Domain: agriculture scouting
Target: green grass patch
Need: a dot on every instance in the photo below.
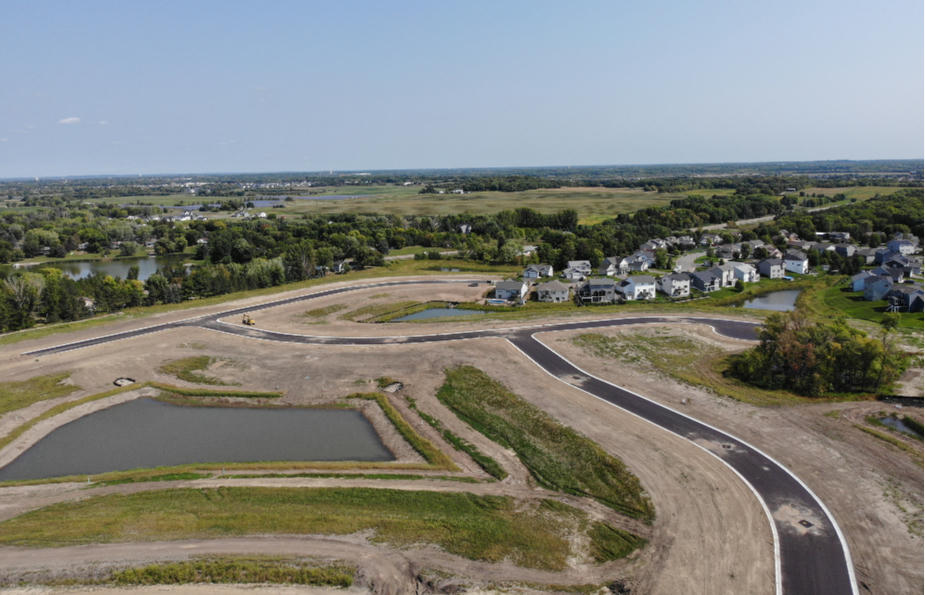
(556, 456)
(234, 569)
(890, 440)
(371, 312)
(16, 395)
(159, 477)
(423, 446)
(376, 476)
(488, 528)
(608, 543)
(204, 392)
(839, 298)
(188, 369)
(325, 311)
(488, 464)
(684, 359)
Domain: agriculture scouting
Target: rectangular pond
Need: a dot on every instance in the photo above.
(149, 433)
(437, 313)
(780, 301)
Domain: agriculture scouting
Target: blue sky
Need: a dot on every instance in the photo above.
(159, 87)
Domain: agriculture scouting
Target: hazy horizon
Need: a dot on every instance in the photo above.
(115, 89)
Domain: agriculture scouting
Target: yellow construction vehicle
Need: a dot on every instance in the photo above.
(248, 320)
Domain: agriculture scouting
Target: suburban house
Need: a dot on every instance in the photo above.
(675, 285)
(707, 281)
(638, 287)
(510, 290)
(910, 266)
(772, 268)
(727, 270)
(904, 247)
(339, 266)
(895, 272)
(573, 274)
(552, 291)
(839, 236)
(846, 250)
(869, 254)
(796, 262)
(639, 261)
(535, 271)
(582, 265)
(598, 291)
(613, 265)
(876, 287)
(710, 239)
(857, 281)
(745, 273)
(906, 298)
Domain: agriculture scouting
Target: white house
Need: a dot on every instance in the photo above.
(581, 265)
(510, 290)
(727, 273)
(553, 291)
(675, 285)
(904, 247)
(574, 275)
(638, 287)
(796, 262)
(613, 265)
(745, 273)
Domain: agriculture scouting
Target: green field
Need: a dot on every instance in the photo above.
(489, 528)
(558, 457)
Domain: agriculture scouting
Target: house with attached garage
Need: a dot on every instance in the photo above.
(904, 247)
(510, 290)
(552, 291)
(638, 287)
(613, 265)
(772, 268)
(640, 261)
(796, 262)
(707, 281)
(580, 265)
(574, 275)
(598, 291)
(535, 271)
(728, 273)
(675, 285)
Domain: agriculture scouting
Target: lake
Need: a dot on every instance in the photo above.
(149, 433)
(781, 301)
(437, 313)
(79, 269)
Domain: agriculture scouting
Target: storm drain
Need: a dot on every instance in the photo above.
(806, 523)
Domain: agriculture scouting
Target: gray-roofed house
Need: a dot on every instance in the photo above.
(638, 287)
(552, 291)
(869, 254)
(744, 272)
(707, 281)
(894, 271)
(904, 247)
(772, 268)
(535, 271)
(876, 287)
(573, 274)
(857, 281)
(675, 285)
(581, 265)
(510, 290)
(598, 291)
(906, 298)
(846, 250)
(613, 265)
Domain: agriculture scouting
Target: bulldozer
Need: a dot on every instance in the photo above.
(248, 320)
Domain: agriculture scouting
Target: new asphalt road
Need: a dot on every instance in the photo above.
(811, 554)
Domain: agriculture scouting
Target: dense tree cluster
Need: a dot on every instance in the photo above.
(815, 358)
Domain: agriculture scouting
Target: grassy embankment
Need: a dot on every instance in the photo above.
(234, 569)
(557, 457)
(491, 528)
(488, 464)
(685, 359)
(189, 368)
(16, 395)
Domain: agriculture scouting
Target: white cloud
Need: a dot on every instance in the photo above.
(103, 122)
(69, 120)
(4, 139)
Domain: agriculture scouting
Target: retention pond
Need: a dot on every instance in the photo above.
(437, 313)
(150, 433)
(781, 301)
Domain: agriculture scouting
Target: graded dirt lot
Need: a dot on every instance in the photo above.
(710, 533)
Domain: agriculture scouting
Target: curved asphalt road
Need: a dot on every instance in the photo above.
(811, 554)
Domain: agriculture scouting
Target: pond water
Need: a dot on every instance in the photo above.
(898, 425)
(781, 301)
(437, 313)
(147, 266)
(149, 433)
